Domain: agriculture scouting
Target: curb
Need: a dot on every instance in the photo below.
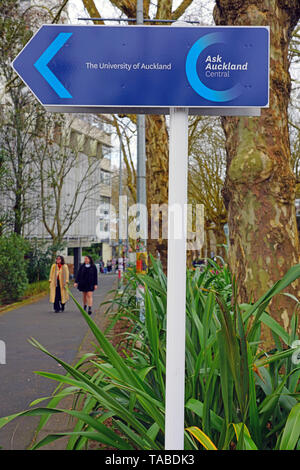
(22, 303)
(60, 423)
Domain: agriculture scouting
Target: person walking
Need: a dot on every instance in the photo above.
(87, 281)
(109, 265)
(59, 280)
(101, 266)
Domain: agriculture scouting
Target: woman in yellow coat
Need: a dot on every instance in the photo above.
(59, 280)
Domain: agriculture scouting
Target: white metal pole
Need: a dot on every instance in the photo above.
(141, 154)
(120, 213)
(176, 300)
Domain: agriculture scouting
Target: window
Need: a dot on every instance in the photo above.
(106, 152)
(104, 205)
(105, 177)
(104, 226)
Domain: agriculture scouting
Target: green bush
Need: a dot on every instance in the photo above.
(39, 259)
(13, 275)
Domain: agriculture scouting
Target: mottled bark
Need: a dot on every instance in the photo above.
(164, 9)
(92, 10)
(157, 151)
(259, 189)
(207, 240)
(220, 240)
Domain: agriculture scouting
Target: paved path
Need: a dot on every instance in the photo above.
(61, 334)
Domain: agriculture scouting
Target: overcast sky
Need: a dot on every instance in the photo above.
(195, 11)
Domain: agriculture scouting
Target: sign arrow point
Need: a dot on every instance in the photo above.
(42, 65)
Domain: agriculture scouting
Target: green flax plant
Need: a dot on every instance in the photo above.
(237, 396)
(260, 392)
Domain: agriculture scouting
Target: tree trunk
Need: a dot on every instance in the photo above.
(157, 151)
(18, 172)
(207, 239)
(18, 214)
(220, 240)
(259, 190)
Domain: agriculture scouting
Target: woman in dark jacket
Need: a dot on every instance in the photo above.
(87, 281)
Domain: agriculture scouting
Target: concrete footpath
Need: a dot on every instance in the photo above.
(64, 334)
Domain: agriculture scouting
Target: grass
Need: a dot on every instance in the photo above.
(33, 292)
(39, 287)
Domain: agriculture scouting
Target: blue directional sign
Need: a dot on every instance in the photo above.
(85, 67)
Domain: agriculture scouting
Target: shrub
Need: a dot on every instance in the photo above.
(13, 276)
(237, 396)
(40, 256)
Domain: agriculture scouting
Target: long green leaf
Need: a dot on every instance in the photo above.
(259, 307)
(202, 438)
(253, 410)
(93, 436)
(89, 386)
(34, 412)
(104, 434)
(242, 434)
(197, 407)
(291, 431)
(226, 379)
(275, 326)
(115, 359)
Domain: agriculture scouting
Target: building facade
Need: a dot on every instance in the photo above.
(85, 193)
